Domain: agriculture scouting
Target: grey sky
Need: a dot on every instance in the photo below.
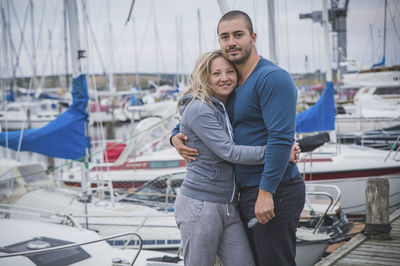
(158, 53)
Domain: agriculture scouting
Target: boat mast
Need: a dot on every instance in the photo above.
(199, 31)
(111, 86)
(66, 46)
(325, 23)
(78, 58)
(223, 6)
(384, 36)
(34, 85)
(271, 30)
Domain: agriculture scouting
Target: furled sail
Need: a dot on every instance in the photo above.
(63, 137)
(320, 116)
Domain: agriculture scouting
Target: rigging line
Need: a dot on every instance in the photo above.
(130, 12)
(101, 128)
(41, 82)
(22, 41)
(96, 46)
(312, 42)
(160, 50)
(397, 4)
(394, 24)
(145, 33)
(38, 44)
(255, 19)
(121, 40)
(23, 123)
(287, 37)
(377, 10)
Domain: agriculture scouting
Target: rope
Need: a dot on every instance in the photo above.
(376, 229)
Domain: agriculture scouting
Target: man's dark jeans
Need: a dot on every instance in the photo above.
(274, 243)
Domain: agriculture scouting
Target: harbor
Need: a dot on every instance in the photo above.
(87, 111)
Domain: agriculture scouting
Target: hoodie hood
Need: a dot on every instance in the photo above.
(187, 99)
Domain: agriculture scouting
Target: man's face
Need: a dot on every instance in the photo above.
(235, 40)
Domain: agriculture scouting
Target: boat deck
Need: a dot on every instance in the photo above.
(363, 251)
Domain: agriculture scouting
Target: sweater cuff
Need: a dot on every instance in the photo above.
(269, 185)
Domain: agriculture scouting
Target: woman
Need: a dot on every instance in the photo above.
(204, 209)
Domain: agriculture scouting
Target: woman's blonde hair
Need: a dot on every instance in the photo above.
(199, 79)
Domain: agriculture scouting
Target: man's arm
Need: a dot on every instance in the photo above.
(278, 105)
(178, 141)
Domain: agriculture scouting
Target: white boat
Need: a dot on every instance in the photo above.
(159, 109)
(376, 104)
(45, 243)
(108, 109)
(28, 186)
(146, 212)
(23, 115)
(349, 167)
(147, 155)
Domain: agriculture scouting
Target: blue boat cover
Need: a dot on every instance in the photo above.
(320, 116)
(381, 63)
(64, 137)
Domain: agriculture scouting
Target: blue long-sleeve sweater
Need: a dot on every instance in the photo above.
(263, 112)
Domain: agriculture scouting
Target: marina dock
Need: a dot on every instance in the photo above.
(363, 251)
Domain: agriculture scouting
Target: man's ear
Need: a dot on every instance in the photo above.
(253, 38)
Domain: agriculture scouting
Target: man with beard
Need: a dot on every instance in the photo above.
(262, 110)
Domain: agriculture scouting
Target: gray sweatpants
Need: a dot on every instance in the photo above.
(209, 229)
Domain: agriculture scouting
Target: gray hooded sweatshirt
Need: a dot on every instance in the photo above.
(211, 177)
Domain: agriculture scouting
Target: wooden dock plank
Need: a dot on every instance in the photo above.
(392, 254)
(361, 251)
(365, 259)
(358, 262)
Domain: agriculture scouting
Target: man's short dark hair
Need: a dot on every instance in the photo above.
(235, 14)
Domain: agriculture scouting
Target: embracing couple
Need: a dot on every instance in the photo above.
(242, 195)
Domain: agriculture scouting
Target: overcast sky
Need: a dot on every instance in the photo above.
(165, 34)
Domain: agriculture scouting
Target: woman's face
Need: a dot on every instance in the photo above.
(223, 78)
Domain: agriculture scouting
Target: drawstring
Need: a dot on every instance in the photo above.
(227, 210)
(230, 131)
(228, 122)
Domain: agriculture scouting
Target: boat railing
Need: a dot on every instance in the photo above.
(321, 219)
(335, 188)
(393, 147)
(81, 221)
(38, 213)
(48, 250)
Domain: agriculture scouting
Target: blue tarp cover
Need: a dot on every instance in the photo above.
(63, 137)
(320, 116)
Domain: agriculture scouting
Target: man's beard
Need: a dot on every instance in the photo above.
(242, 58)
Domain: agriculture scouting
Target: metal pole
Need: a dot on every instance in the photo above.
(328, 57)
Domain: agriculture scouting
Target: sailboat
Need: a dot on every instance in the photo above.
(346, 166)
(377, 101)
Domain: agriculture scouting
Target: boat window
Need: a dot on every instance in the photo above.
(163, 164)
(8, 185)
(33, 173)
(60, 258)
(43, 107)
(387, 90)
(158, 190)
(13, 109)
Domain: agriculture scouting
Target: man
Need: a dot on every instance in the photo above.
(262, 110)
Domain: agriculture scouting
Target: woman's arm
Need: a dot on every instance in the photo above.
(201, 119)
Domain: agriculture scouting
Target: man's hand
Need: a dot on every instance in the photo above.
(264, 208)
(295, 153)
(179, 143)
